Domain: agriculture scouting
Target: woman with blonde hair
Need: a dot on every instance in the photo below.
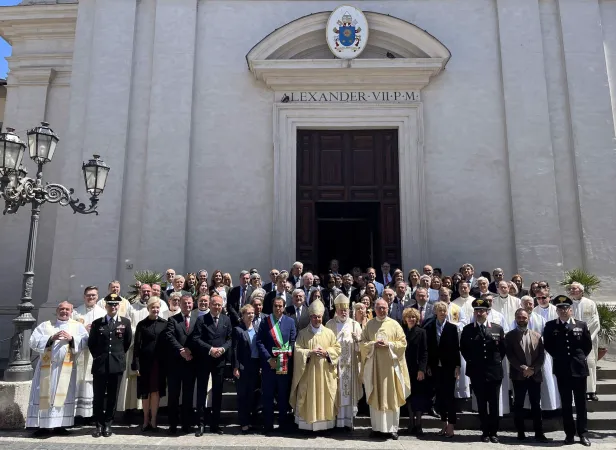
(360, 314)
(149, 362)
(227, 280)
(416, 355)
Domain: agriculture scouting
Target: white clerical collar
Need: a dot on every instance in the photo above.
(503, 296)
(203, 312)
(316, 330)
(381, 320)
(61, 322)
(89, 308)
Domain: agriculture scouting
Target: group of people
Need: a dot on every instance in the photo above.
(318, 351)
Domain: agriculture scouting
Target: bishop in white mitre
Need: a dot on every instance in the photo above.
(465, 302)
(585, 309)
(348, 333)
(52, 397)
(85, 314)
(550, 397)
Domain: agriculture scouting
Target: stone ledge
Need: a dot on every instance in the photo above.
(14, 399)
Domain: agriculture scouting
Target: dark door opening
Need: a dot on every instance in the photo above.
(348, 232)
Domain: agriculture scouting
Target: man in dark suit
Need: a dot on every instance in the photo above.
(110, 339)
(498, 276)
(298, 311)
(269, 287)
(275, 341)
(181, 372)
(443, 364)
(384, 277)
(482, 345)
(568, 341)
(280, 291)
(209, 343)
(238, 298)
(526, 355)
(347, 286)
(307, 286)
(296, 274)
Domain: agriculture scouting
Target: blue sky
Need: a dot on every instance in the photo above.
(5, 49)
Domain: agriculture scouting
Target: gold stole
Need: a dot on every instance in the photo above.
(66, 369)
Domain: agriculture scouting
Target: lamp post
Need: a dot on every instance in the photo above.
(17, 190)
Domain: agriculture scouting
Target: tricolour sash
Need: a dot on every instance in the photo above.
(66, 369)
(282, 352)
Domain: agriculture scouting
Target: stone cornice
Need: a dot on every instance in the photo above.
(38, 21)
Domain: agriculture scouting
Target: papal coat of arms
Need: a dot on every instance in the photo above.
(347, 32)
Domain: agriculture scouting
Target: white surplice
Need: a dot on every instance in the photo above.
(463, 382)
(503, 401)
(586, 311)
(55, 416)
(507, 306)
(550, 397)
(85, 390)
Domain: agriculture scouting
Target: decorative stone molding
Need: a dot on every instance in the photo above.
(278, 59)
(407, 118)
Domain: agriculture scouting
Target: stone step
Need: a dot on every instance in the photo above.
(606, 387)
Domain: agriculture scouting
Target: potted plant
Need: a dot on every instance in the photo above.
(607, 321)
(143, 277)
(590, 281)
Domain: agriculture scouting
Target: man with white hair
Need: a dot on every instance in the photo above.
(585, 309)
(504, 303)
(307, 287)
(296, 274)
(348, 333)
(315, 379)
(52, 396)
(468, 272)
(85, 314)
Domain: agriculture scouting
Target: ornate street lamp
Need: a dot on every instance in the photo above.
(17, 190)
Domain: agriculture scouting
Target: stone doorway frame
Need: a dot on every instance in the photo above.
(407, 118)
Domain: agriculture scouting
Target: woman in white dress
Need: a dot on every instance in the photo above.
(218, 287)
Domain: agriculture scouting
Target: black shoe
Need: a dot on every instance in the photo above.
(485, 438)
(268, 431)
(593, 397)
(97, 432)
(375, 434)
(146, 428)
(217, 430)
(521, 436)
(41, 432)
(155, 429)
(394, 436)
(542, 438)
(61, 431)
(584, 441)
(107, 431)
(420, 432)
(494, 439)
(569, 440)
(412, 431)
(200, 431)
(172, 431)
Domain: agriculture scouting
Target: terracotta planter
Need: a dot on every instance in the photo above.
(601, 353)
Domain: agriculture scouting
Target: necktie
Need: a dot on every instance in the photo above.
(421, 315)
(243, 297)
(187, 322)
(216, 322)
(298, 311)
(527, 347)
(482, 329)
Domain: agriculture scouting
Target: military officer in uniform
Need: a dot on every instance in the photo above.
(482, 345)
(569, 342)
(109, 340)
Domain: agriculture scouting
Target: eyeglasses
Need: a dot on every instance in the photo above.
(541, 298)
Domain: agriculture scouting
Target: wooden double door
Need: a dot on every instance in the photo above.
(348, 202)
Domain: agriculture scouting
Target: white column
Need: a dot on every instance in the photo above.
(163, 231)
(529, 145)
(592, 127)
(86, 247)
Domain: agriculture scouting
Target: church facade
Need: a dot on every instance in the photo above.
(474, 131)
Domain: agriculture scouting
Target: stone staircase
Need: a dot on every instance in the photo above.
(600, 414)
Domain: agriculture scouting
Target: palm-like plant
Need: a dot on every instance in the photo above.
(143, 277)
(607, 321)
(590, 281)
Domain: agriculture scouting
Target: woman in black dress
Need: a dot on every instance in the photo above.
(416, 356)
(148, 357)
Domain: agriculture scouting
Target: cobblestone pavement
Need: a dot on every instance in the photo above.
(126, 438)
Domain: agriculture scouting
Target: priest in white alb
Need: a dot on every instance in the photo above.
(348, 333)
(314, 389)
(550, 397)
(585, 309)
(85, 314)
(504, 303)
(52, 397)
(384, 371)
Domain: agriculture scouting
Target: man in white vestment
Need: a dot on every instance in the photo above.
(585, 309)
(85, 314)
(52, 397)
(504, 303)
(550, 397)
(465, 302)
(348, 333)
(114, 288)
